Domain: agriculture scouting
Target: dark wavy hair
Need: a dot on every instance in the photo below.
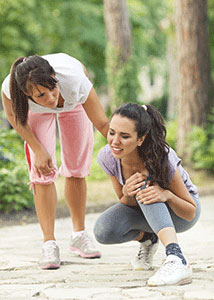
(154, 149)
(24, 72)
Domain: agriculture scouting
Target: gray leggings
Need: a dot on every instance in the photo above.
(121, 223)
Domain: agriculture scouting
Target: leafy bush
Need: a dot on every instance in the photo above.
(96, 172)
(171, 136)
(14, 190)
(202, 146)
(122, 78)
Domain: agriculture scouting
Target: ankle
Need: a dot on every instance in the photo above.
(77, 233)
(149, 236)
(174, 249)
(49, 242)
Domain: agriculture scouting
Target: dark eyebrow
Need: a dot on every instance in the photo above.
(126, 133)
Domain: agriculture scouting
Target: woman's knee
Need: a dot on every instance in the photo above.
(102, 232)
(106, 232)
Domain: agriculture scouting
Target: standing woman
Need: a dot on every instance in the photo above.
(36, 91)
(157, 197)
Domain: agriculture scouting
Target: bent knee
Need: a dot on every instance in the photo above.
(103, 233)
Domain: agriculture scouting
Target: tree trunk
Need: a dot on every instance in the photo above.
(193, 66)
(172, 80)
(118, 42)
(118, 27)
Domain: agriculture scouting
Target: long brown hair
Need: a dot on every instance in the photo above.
(24, 72)
(154, 149)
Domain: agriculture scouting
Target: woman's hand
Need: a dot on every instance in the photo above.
(129, 201)
(43, 163)
(152, 194)
(133, 184)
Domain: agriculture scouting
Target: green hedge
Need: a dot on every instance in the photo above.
(14, 189)
(200, 144)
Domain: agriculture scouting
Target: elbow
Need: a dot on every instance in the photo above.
(104, 129)
(191, 215)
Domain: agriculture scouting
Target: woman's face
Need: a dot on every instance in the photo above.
(45, 96)
(122, 137)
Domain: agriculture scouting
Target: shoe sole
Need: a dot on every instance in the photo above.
(50, 267)
(142, 269)
(83, 255)
(181, 282)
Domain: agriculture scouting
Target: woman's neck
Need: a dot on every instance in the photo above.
(131, 161)
(131, 165)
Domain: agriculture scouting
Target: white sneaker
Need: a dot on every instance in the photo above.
(83, 246)
(172, 272)
(143, 260)
(50, 259)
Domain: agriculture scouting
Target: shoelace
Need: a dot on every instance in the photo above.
(167, 268)
(50, 251)
(87, 241)
(144, 252)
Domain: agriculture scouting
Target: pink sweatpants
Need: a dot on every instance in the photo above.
(76, 139)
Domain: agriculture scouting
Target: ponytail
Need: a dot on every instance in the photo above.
(19, 99)
(155, 149)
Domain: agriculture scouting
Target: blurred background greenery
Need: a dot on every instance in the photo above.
(144, 76)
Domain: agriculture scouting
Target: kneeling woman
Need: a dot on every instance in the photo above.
(157, 197)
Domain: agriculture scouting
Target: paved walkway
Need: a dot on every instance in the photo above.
(107, 278)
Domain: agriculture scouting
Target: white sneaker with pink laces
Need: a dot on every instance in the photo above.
(50, 259)
(83, 245)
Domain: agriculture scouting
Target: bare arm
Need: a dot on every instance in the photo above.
(43, 163)
(179, 199)
(96, 113)
(118, 188)
(95, 110)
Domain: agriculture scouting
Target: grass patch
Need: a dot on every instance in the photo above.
(98, 192)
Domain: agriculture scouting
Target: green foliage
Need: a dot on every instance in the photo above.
(77, 28)
(148, 33)
(122, 78)
(201, 142)
(96, 172)
(161, 105)
(14, 190)
(171, 136)
(149, 46)
(42, 27)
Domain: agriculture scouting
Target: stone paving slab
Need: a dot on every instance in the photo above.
(107, 278)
